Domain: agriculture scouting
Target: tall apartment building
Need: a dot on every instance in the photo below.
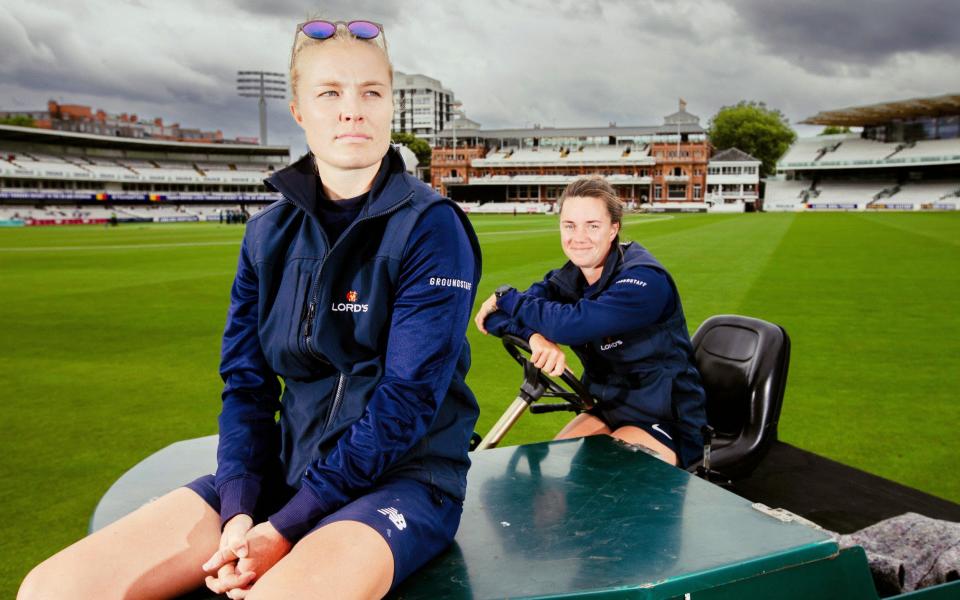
(423, 106)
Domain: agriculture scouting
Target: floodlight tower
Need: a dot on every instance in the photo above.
(262, 85)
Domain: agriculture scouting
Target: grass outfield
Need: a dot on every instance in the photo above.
(111, 342)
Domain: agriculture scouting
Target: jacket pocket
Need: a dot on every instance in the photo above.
(350, 399)
(302, 326)
(648, 392)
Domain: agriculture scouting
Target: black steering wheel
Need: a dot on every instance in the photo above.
(538, 384)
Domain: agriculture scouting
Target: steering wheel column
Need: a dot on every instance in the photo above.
(536, 385)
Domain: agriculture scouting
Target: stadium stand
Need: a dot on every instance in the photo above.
(646, 164)
(854, 150)
(786, 195)
(932, 150)
(905, 156)
(851, 151)
(805, 150)
(100, 214)
(55, 177)
(498, 208)
(849, 192)
(566, 155)
(924, 192)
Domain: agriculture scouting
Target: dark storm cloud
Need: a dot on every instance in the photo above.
(825, 35)
(375, 10)
(584, 9)
(511, 62)
(656, 17)
(147, 60)
(38, 50)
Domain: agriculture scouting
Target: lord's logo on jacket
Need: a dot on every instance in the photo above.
(351, 305)
(609, 344)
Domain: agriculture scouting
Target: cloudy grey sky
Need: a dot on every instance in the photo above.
(511, 62)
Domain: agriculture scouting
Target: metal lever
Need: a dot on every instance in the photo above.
(530, 391)
(704, 469)
(707, 432)
(539, 409)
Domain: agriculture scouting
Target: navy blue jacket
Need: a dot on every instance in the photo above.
(630, 333)
(368, 337)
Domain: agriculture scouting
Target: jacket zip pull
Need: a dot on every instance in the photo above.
(337, 397)
(311, 311)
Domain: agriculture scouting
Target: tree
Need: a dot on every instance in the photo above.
(419, 147)
(832, 129)
(762, 132)
(18, 120)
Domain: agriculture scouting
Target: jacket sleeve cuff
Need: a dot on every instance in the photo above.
(238, 496)
(508, 302)
(299, 515)
(526, 333)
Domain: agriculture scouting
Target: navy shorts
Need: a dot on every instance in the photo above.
(417, 520)
(665, 433)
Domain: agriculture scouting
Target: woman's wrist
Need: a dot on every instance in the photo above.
(506, 298)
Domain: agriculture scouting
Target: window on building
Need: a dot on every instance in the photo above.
(696, 192)
(657, 191)
(949, 127)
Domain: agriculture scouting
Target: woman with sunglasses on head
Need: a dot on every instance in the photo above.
(619, 310)
(339, 291)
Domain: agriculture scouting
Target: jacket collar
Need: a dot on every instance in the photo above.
(571, 282)
(298, 184)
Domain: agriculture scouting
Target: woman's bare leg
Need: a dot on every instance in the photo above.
(154, 552)
(343, 560)
(582, 425)
(635, 435)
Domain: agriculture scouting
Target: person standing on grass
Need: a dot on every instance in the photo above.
(619, 310)
(355, 289)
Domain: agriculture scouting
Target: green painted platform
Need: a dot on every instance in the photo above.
(592, 518)
(588, 518)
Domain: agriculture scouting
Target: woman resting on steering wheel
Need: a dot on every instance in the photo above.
(619, 310)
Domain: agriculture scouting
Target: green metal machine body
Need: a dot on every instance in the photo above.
(594, 518)
(587, 518)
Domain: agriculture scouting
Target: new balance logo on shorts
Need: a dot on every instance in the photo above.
(395, 517)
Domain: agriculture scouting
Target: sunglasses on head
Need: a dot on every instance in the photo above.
(324, 30)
